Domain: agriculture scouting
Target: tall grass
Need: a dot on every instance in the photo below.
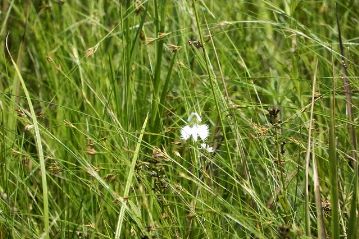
(95, 94)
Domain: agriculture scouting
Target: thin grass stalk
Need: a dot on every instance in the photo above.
(157, 121)
(130, 176)
(15, 88)
(39, 148)
(353, 220)
(348, 95)
(128, 53)
(243, 65)
(307, 157)
(211, 80)
(5, 8)
(168, 78)
(126, 66)
(139, 30)
(114, 86)
(21, 52)
(333, 169)
(318, 201)
(227, 98)
(159, 18)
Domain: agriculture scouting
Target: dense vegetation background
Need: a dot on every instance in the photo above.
(93, 96)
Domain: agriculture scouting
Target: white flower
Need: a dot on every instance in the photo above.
(195, 131)
(186, 132)
(208, 148)
(201, 130)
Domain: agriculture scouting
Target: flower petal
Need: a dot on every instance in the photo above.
(202, 131)
(208, 148)
(186, 132)
(194, 133)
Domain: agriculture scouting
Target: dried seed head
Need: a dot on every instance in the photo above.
(91, 51)
(157, 154)
(195, 43)
(173, 48)
(274, 115)
(55, 168)
(90, 150)
(28, 127)
(163, 34)
(138, 6)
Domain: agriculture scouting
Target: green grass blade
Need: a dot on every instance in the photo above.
(38, 147)
(309, 151)
(130, 176)
(318, 200)
(353, 160)
(333, 170)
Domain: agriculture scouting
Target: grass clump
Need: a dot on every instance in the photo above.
(94, 98)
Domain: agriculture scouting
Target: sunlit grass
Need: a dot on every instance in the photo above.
(93, 102)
